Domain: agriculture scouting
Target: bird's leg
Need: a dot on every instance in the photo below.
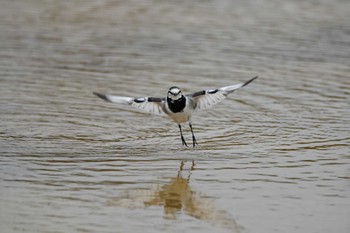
(182, 137)
(193, 137)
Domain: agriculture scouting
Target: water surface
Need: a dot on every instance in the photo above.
(273, 157)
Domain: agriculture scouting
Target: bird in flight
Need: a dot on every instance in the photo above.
(177, 106)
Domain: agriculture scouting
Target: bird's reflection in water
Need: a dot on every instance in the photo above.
(177, 197)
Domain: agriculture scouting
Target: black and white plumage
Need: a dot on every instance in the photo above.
(177, 106)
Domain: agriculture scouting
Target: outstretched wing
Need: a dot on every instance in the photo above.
(207, 98)
(146, 104)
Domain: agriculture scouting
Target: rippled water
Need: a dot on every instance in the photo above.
(273, 157)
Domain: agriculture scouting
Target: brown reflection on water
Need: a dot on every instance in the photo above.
(177, 197)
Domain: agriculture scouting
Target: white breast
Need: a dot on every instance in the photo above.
(181, 117)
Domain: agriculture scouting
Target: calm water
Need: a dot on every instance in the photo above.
(273, 157)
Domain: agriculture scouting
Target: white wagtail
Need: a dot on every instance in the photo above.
(176, 105)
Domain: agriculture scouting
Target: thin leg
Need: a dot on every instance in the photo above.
(193, 137)
(182, 137)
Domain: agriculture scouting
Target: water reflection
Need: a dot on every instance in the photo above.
(177, 197)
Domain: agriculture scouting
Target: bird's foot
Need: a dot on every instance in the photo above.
(194, 141)
(183, 141)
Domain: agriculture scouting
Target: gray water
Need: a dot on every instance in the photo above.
(273, 157)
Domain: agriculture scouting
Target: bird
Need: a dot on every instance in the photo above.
(176, 105)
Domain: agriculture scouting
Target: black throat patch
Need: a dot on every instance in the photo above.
(177, 105)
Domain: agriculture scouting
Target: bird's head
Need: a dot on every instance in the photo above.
(174, 93)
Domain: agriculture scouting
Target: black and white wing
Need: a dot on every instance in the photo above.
(207, 98)
(146, 104)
